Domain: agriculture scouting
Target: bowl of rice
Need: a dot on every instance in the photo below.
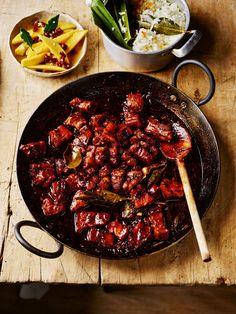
(152, 50)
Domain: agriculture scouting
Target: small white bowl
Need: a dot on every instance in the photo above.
(28, 21)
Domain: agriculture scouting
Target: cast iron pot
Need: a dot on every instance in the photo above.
(52, 112)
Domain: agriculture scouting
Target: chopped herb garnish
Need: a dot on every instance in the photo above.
(26, 37)
(52, 24)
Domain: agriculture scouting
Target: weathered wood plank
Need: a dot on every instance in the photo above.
(21, 93)
(182, 264)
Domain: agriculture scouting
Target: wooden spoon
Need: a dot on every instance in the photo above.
(178, 151)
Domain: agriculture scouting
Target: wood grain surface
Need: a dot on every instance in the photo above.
(21, 93)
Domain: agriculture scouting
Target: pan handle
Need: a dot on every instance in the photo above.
(29, 246)
(205, 68)
(196, 35)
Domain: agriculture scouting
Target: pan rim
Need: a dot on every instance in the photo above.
(109, 73)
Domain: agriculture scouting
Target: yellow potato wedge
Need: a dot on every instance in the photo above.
(47, 67)
(31, 53)
(75, 39)
(18, 40)
(36, 44)
(21, 49)
(54, 47)
(65, 25)
(34, 60)
(59, 39)
(28, 51)
(67, 30)
(41, 48)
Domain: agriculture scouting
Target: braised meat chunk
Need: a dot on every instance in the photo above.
(141, 136)
(157, 222)
(119, 230)
(133, 178)
(107, 240)
(161, 131)
(97, 120)
(42, 174)
(92, 182)
(104, 183)
(86, 219)
(59, 136)
(140, 197)
(58, 191)
(74, 182)
(141, 151)
(51, 208)
(61, 167)
(76, 120)
(101, 155)
(89, 159)
(94, 235)
(132, 120)
(171, 188)
(114, 155)
(134, 102)
(83, 105)
(117, 178)
(140, 234)
(85, 135)
(105, 171)
(109, 166)
(78, 203)
(104, 239)
(129, 159)
(35, 149)
(110, 126)
(123, 132)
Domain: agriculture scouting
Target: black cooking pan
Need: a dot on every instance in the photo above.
(113, 85)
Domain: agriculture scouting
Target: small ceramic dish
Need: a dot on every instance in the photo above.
(27, 22)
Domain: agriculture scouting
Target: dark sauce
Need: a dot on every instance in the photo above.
(62, 226)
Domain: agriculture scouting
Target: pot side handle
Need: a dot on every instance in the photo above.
(181, 52)
(205, 68)
(29, 246)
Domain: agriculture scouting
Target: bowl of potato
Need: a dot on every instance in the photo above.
(48, 44)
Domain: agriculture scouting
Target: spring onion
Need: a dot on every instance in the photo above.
(104, 20)
(121, 13)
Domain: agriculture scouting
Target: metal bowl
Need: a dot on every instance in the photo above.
(154, 60)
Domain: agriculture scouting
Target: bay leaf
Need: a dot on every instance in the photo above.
(52, 24)
(112, 197)
(156, 175)
(72, 156)
(26, 37)
(103, 198)
(166, 26)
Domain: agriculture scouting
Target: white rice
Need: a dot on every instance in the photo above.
(151, 11)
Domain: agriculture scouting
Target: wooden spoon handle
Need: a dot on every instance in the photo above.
(197, 226)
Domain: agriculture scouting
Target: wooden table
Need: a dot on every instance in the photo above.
(21, 93)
